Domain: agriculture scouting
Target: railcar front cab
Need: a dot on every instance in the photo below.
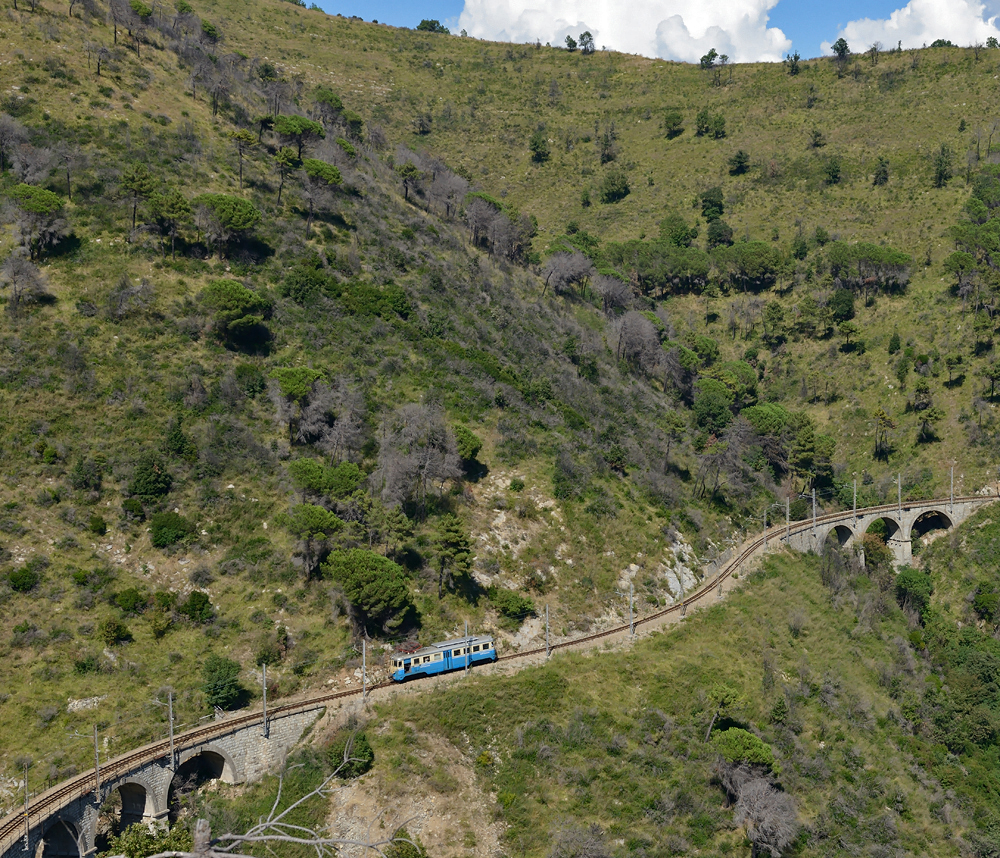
(443, 656)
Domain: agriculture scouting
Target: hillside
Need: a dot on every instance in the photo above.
(306, 337)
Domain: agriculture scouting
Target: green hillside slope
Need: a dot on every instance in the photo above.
(300, 342)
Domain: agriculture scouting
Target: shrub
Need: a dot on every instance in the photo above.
(510, 603)
(132, 507)
(913, 589)
(197, 608)
(356, 748)
(150, 479)
(239, 313)
(132, 601)
(615, 186)
(469, 444)
(986, 604)
(221, 681)
(167, 528)
(87, 475)
(113, 631)
(736, 745)
(97, 525)
(517, 484)
(24, 579)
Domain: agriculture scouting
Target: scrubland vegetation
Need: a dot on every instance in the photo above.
(316, 329)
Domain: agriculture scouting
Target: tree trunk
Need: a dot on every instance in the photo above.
(711, 725)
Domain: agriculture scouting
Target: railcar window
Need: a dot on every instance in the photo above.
(476, 648)
(437, 656)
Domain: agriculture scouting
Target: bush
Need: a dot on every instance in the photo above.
(913, 589)
(167, 528)
(615, 186)
(239, 313)
(510, 603)
(197, 608)
(97, 525)
(150, 479)
(407, 845)
(87, 475)
(358, 751)
(469, 444)
(986, 604)
(132, 507)
(113, 631)
(23, 580)
(736, 745)
(221, 681)
(132, 601)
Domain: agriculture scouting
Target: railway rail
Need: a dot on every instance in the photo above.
(52, 800)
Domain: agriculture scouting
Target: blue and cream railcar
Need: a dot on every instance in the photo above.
(442, 657)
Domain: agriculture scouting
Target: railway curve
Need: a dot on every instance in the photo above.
(795, 535)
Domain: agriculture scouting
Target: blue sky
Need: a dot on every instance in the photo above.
(807, 23)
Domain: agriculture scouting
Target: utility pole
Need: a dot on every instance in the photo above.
(788, 519)
(364, 670)
(814, 513)
(631, 615)
(951, 503)
(548, 649)
(170, 717)
(468, 649)
(855, 508)
(263, 683)
(765, 530)
(27, 828)
(899, 497)
(97, 769)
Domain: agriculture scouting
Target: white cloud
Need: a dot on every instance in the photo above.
(921, 22)
(671, 29)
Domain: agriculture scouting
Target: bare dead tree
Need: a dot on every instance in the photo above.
(416, 454)
(478, 215)
(32, 164)
(768, 817)
(333, 419)
(566, 270)
(637, 343)
(447, 189)
(615, 294)
(12, 135)
(24, 281)
(125, 298)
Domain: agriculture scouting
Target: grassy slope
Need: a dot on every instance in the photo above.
(618, 739)
(139, 372)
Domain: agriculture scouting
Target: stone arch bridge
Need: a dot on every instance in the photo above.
(235, 750)
(244, 747)
(903, 521)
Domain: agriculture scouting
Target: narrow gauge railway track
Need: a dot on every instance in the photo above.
(57, 797)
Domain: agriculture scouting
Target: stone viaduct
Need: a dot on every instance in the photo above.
(234, 750)
(903, 522)
(246, 746)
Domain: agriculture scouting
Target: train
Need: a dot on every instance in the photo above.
(444, 656)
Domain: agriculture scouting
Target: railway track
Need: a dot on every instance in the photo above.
(52, 800)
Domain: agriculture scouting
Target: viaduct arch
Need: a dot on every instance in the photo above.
(903, 522)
